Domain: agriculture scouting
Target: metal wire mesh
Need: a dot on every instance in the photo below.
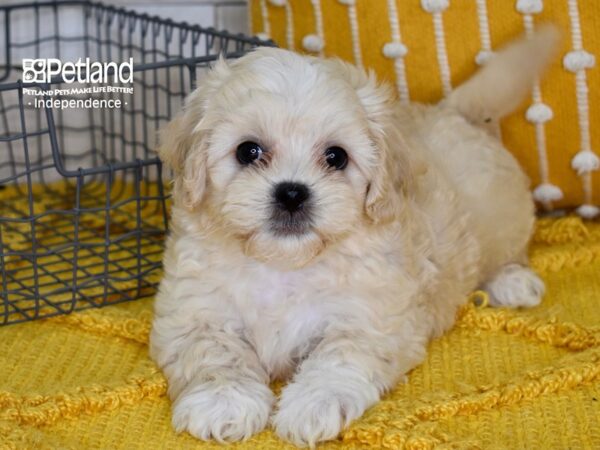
(83, 207)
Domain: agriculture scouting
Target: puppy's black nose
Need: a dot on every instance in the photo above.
(291, 196)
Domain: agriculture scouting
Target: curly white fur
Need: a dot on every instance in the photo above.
(429, 207)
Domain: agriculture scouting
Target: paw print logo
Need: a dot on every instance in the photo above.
(34, 70)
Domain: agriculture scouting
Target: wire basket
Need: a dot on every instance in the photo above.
(83, 208)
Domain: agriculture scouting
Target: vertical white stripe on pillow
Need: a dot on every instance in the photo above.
(289, 21)
(397, 51)
(319, 22)
(484, 33)
(315, 42)
(264, 12)
(538, 114)
(585, 161)
(289, 27)
(436, 8)
(353, 20)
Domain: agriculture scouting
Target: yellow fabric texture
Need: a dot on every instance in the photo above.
(501, 379)
(462, 41)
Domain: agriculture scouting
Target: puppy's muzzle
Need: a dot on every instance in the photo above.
(291, 208)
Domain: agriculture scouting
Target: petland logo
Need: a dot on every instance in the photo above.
(97, 88)
(86, 71)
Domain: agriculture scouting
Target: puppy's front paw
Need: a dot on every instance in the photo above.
(312, 412)
(516, 286)
(225, 412)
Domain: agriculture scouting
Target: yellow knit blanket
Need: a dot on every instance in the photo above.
(499, 379)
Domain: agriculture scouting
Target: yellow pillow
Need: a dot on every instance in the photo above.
(426, 47)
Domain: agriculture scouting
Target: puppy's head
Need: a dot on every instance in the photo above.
(287, 154)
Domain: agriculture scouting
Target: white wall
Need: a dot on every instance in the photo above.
(230, 15)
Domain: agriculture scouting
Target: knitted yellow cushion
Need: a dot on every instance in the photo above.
(500, 379)
(425, 47)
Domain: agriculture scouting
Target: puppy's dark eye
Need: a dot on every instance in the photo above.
(248, 152)
(336, 157)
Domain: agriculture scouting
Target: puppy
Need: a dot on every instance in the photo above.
(323, 233)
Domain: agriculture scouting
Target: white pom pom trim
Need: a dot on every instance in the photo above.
(483, 57)
(278, 2)
(530, 6)
(347, 2)
(588, 211)
(579, 60)
(547, 192)
(263, 36)
(539, 113)
(585, 161)
(312, 43)
(435, 6)
(393, 50)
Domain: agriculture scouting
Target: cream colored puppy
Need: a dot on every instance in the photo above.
(323, 232)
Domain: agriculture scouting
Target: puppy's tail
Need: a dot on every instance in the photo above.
(500, 86)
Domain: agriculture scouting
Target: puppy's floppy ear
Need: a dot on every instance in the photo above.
(384, 194)
(392, 170)
(181, 150)
(183, 141)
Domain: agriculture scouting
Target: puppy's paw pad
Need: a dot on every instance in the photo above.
(311, 414)
(224, 413)
(516, 286)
